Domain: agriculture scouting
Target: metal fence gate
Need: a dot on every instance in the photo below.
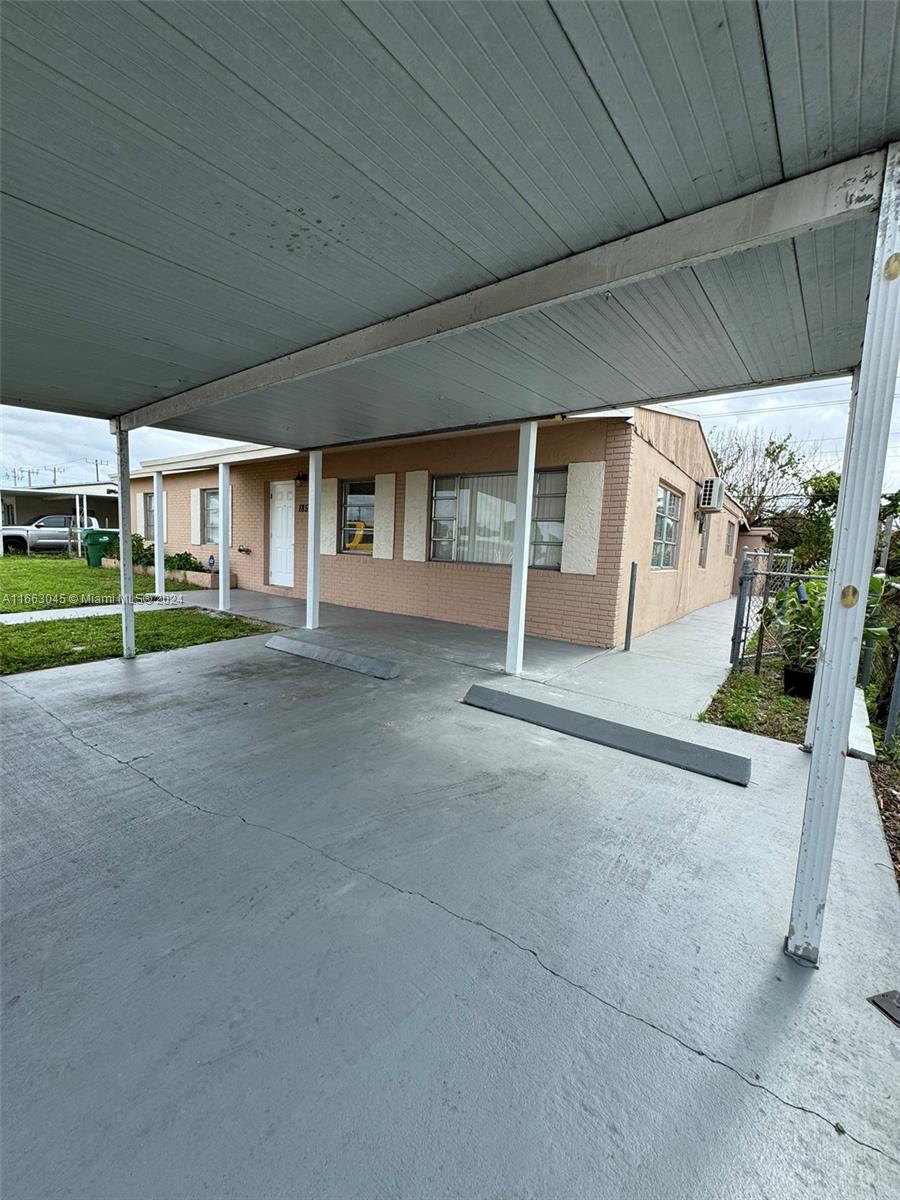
(765, 576)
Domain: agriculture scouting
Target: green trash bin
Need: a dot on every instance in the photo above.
(96, 543)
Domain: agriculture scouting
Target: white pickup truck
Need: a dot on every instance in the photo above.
(43, 533)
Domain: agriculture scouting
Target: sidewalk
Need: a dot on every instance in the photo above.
(675, 669)
(87, 610)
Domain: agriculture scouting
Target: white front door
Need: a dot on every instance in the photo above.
(281, 534)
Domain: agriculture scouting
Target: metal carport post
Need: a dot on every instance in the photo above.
(126, 568)
(518, 583)
(224, 537)
(313, 531)
(851, 567)
(159, 548)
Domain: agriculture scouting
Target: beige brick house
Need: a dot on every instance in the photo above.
(423, 526)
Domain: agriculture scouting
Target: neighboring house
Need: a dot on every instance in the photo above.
(21, 504)
(424, 525)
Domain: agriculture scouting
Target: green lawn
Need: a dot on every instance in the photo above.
(39, 644)
(757, 704)
(40, 581)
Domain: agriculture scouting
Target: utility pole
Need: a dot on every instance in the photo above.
(29, 476)
(97, 469)
(886, 534)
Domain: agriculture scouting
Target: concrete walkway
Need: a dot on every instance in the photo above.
(87, 610)
(675, 669)
(275, 929)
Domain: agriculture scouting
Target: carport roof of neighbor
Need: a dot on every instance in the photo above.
(216, 216)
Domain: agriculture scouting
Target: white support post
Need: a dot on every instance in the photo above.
(159, 547)
(80, 519)
(126, 569)
(2, 523)
(851, 567)
(313, 533)
(224, 537)
(518, 586)
(830, 596)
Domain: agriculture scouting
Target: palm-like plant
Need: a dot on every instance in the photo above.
(793, 619)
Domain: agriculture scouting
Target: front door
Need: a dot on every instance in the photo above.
(281, 534)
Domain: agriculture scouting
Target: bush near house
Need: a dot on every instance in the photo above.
(142, 556)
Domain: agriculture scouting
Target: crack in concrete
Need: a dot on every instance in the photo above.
(474, 921)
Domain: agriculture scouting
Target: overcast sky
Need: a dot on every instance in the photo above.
(811, 411)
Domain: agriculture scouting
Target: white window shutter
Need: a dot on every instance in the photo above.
(137, 515)
(329, 517)
(415, 516)
(384, 516)
(584, 505)
(165, 518)
(195, 516)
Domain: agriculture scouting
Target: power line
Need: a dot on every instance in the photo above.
(759, 412)
(17, 473)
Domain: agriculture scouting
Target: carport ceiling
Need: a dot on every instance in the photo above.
(193, 189)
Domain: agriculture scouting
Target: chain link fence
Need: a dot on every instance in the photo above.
(879, 672)
(766, 575)
(768, 582)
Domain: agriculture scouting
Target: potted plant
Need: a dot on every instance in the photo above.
(794, 620)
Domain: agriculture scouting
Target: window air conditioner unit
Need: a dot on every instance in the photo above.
(712, 495)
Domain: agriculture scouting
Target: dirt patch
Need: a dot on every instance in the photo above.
(886, 781)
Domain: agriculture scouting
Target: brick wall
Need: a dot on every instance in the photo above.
(579, 608)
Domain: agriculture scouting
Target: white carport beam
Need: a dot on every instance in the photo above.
(518, 586)
(313, 531)
(828, 197)
(850, 570)
(224, 537)
(126, 568)
(159, 549)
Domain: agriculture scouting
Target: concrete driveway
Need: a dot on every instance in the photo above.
(274, 929)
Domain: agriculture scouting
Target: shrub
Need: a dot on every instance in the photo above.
(793, 619)
(142, 556)
(183, 561)
(141, 553)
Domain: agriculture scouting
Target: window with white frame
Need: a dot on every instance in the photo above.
(149, 530)
(473, 518)
(209, 515)
(729, 538)
(358, 516)
(666, 528)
